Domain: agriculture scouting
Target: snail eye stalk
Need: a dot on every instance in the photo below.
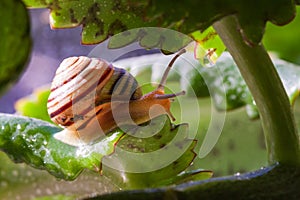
(163, 81)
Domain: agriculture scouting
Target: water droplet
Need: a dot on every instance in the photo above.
(82, 151)
(19, 126)
(237, 174)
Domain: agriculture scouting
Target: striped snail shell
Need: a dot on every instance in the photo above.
(82, 94)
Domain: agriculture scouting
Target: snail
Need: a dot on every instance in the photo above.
(88, 93)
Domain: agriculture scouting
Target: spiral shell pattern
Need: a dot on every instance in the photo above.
(84, 84)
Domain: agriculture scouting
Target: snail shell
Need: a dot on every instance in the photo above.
(81, 97)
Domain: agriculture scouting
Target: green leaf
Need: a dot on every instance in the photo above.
(199, 15)
(224, 82)
(189, 176)
(15, 42)
(236, 91)
(209, 46)
(103, 18)
(239, 136)
(31, 141)
(154, 161)
(284, 41)
(34, 105)
(289, 74)
(167, 40)
(274, 182)
(99, 18)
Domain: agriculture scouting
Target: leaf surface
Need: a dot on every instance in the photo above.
(157, 160)
(31, 141)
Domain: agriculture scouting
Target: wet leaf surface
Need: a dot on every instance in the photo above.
(31, 141)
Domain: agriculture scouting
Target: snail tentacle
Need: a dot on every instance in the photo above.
(165, 75)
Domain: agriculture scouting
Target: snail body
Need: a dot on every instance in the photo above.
(90, 98)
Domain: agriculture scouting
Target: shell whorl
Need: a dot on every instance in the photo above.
(83, 84)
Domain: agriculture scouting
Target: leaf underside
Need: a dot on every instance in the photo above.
(103, 18)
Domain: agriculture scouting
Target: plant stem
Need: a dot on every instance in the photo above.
(261, 77)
